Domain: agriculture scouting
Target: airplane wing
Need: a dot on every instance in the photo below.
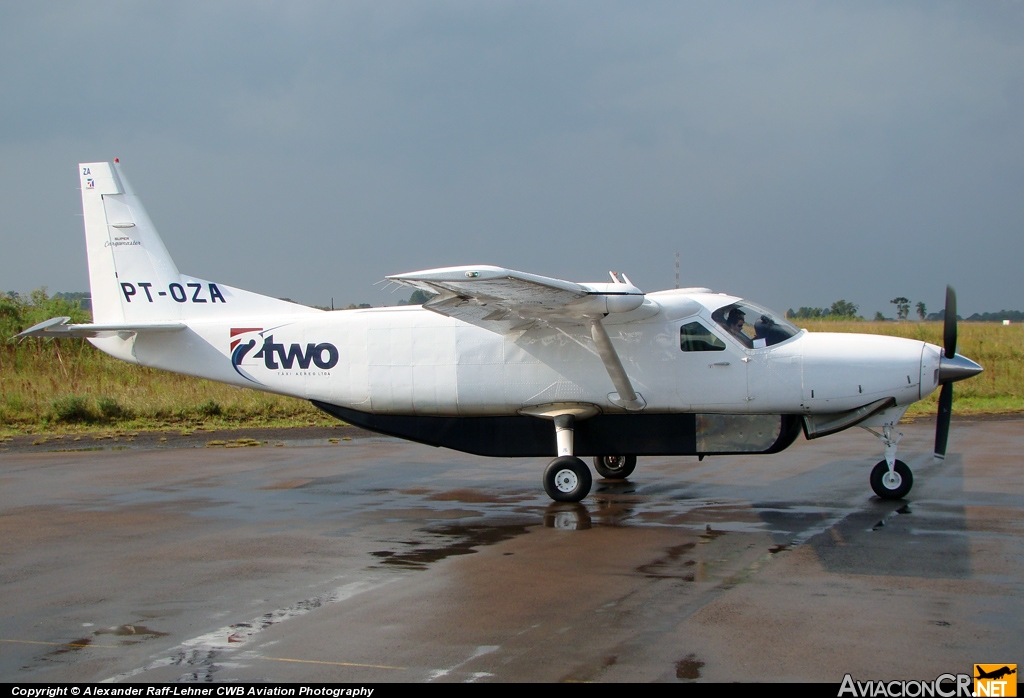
(504, 300)
(59, 327)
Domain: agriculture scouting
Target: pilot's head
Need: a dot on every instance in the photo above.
(736, 318)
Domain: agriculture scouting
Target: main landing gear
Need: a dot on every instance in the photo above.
(567, 478)
(890, 478)
(615, 467)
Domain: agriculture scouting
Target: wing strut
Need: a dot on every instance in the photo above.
(627, 396)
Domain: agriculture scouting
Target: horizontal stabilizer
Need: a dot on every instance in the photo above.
(59, 327)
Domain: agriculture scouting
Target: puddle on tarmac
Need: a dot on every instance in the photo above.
(137, 632)
(288, 484)
(612, 514)
(130, 631)
(726, 516)
(468, 496)
(466, 539)
(671, 565)
(688, 667)
(709, 535)
(73, 646)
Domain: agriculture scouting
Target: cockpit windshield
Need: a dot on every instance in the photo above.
(753, 326)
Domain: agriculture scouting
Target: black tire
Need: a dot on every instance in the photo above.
(567, 479)
(891, 488)
(615, 467)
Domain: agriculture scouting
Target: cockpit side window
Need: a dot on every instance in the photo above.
(693, 336)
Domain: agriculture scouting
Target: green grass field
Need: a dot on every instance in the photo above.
(67, 386)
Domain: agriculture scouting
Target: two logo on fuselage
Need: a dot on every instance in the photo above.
(293, 360)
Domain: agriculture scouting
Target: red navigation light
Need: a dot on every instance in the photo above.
(117, 159)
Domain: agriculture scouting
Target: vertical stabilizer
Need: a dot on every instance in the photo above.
(131, 275)
(123, 248)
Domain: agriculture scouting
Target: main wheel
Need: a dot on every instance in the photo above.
(567, 479)
(615, 467)
(894, 485)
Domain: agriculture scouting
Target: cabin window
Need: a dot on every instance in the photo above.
(693, 336)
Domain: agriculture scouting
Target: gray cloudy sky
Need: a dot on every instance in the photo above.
(793, 153)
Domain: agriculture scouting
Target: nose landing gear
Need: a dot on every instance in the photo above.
(894, 483)
(890, 478)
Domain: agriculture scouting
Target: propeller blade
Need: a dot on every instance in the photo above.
(942, 422)
(949, 324)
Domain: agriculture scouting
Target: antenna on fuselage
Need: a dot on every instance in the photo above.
(677, 270)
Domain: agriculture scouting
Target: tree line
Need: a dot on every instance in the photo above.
(840, 310)
(19, 311)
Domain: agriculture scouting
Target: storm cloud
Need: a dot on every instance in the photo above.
(793, 153)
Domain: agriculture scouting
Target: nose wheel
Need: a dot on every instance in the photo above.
(890, 478)
(892, 483)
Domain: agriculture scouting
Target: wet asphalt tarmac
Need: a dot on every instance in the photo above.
(372, 559)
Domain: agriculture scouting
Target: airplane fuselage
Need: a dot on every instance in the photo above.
(411, 361)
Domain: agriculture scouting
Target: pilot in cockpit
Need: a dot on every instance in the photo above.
(765, 331)
(734, 323)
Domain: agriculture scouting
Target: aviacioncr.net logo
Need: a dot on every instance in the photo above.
(945, 686)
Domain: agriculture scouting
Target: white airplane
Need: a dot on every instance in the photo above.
(504, 363)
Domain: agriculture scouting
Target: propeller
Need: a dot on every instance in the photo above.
(945, 414)
(949, 324)
(946, 396)
(952, 367)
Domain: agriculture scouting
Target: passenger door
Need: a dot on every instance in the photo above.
(712, 375)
